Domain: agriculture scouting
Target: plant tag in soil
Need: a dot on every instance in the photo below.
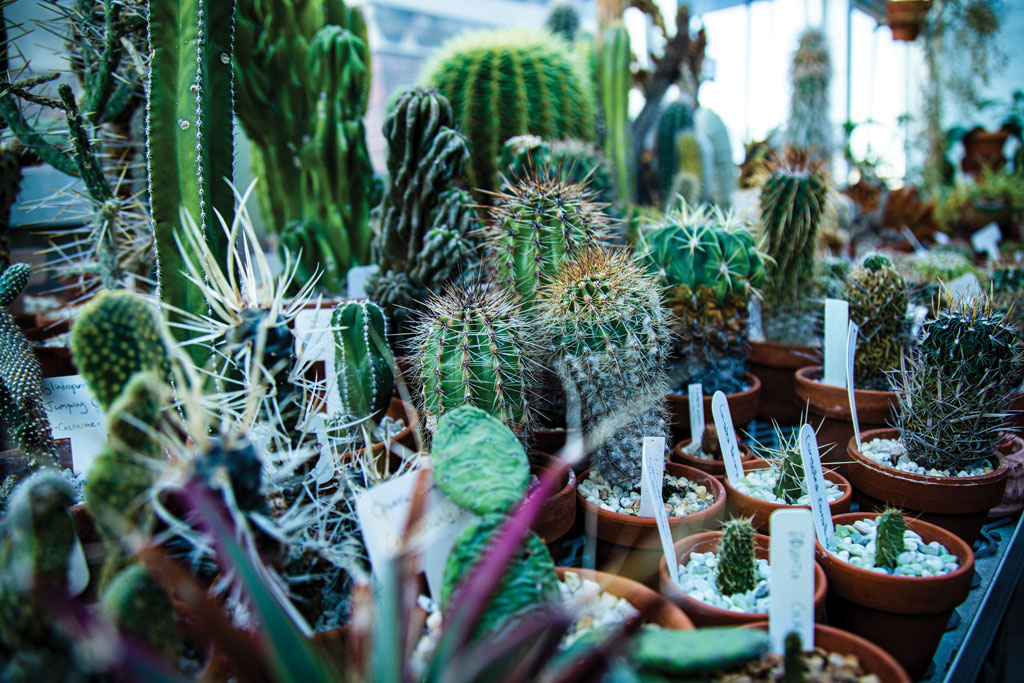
(652, 477)
(76, 415)
(357, 277)
(314, 344)
(696, 401)
(727, 437)
(382, 513)
(815, 479)
(851, 351)
(791, 606)
(837, 315)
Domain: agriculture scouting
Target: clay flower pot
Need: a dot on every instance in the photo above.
(559, 512)
(776, 365)
(983, 149)
(631, 544)
(905, 615)
(905, 18)
(701, 613)
(872, 658)
(715, 468)
(1011, 451)
(828, 410)
(742, 407)
(760, 511)
(662, 612)
(957, 504)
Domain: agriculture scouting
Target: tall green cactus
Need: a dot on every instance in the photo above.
(675, 118)
(362, 359)
(615, 80)
(506, 83)
(473, 347)
(809, 126)
(189, 138)
(889, 542)
(737, 564)
(10, 185)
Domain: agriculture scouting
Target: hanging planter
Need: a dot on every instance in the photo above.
(983, 149)
(905, 17)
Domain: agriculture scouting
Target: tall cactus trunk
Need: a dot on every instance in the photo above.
(615, 81)
(189, 138)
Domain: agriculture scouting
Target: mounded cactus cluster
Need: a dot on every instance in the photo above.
(737, 564)
(362, 359)
(878, 300)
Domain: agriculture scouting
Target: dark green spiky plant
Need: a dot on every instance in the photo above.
(362, 359)
(878, 300)
(1007, 290)
(21, 380)
(574, 161)
(522, 156)
(794, 664)
(889, 542)
(608, 335)
(737, 564)
(506, 83)
(789, 484)
(563, 20)
(810, 126)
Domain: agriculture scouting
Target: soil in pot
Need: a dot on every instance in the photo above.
(706, 454)
(959, 504)
(754, 496)
(742, 407)
(905, 615)
(775, 365)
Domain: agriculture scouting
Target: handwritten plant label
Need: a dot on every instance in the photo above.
(75, 414)
(815, 479)
(837, 316)
(696, 402)
(791, 606)
(851, 351)
(651, 480)
(727, 437)
(382, 513)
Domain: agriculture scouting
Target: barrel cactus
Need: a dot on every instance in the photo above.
(737, 563)
(889, 538)
(878, 300)
(362, 359)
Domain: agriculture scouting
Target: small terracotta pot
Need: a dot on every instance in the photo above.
(633, 541)
(559, 512)
(904, 615)
(663, 613)
(872, 658)
(760, 511)
(701, 613)
(398, 410)
(905, 18)
(715, 468)
(957, 504)
(742, 407)
(983, 149)
(1011, 451)
(776, 365)
(828, 410)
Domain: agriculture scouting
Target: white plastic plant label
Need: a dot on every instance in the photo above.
(75, 414)
(727, 440)
(314, 341)
(791, 605)
(382, 513)
(78, 570)
(324, 469)
(815, 479)
(851, 352)
(987, 240)
(837, 316)
(651, 479)
(357, 278)
(696, 401)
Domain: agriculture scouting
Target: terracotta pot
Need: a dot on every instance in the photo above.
(742, 407)
(715, 468)
(872, 658)
(630, 543)
(1011, 451)
(957, 504)
(398, 410)
(904, 615)
(983, 149)
(663, 613)
(701, 613)
(1016, 410)
(407, 370)
(905, 17)
(760, 511)
(776, 365)
(559, 512)
(828, 411)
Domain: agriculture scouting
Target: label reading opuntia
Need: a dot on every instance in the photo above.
(652, 476)
(815, 479)
(727, 440)
(837, 317)
(696, 401)
(75, 415)
(791, 553)
(851, 351)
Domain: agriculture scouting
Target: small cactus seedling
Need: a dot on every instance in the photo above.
(794, 664)
(889, 543)
(709, 443)
(737, 565)
(789, 485)
(362, 359)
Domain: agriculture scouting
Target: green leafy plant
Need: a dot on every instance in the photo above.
(737, 566)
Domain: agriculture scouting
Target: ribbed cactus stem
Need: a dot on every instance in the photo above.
(889, 543)
(794, 664)
(675, 118)
(789, 485)
(737, 564)
(362, 359)
(616, 79)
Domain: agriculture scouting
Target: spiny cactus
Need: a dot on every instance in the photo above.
(116, 335)
(140, 608)
(794, 664)
(473, 347)
(362, 359)
(608, 334)
(537, 226)
(878, 302)
(574, 161)
(810, 125)
(506, 83)
(675, 118)
(523, 156)
(789, 483)
(563, 20)
(616, 78)
(737, 564)
(21, 380)
(889, 538)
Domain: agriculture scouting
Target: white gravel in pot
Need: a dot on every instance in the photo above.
(760, 484)
(697, 578)
(892, 453)
(855, 544)
(592, 607)
(682, 496)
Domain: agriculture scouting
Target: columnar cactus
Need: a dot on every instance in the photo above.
(615, 79)
(889, 538)
(737, 563)
(675, 119)
(521, 157)
(506, 83)
(473, 347)
(878, 300)
(362, 359)
(608, 333)
(810, 125)
(794, 664)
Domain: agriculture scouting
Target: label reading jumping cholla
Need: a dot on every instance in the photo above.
(76, 418)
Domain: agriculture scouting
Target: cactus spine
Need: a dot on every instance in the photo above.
(789, 483)
(362, 359)
(889, 542)
(737, 565)
(615, 80)
(878, 304)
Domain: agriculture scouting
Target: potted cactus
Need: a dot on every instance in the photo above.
(709, 266)
(941, 462)
(705, 454)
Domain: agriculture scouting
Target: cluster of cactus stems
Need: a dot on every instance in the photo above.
(809, 125)
(878, 300)
(889, 542)
(737, 562)
(362, 359)
(615, 79)
(789, 484)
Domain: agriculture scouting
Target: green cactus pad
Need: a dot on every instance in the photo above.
(362, 359)
(889, 542)
(478, 461)
(690, 653)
